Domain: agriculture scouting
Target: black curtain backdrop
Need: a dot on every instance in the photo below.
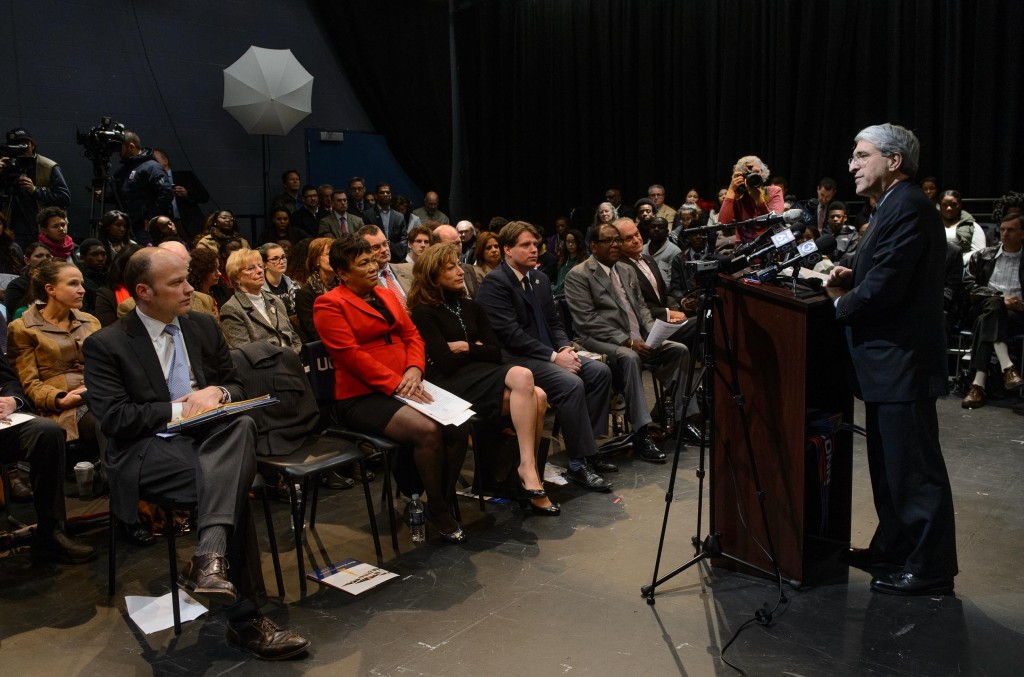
(396, 55)
(561, 99)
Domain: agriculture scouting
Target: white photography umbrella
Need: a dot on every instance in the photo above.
(268, 92)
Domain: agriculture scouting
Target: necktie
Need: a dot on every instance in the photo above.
(178, 382)
(392, 284)
(543, 333)
(342, 225)
(634, 326)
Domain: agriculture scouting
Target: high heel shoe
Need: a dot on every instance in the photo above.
(529, 495)
(457, 536)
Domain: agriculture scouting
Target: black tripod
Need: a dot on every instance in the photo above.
(709, 305)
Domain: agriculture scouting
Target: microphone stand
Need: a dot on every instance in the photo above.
(710, 303)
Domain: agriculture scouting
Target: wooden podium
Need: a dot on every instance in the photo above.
(791, 360)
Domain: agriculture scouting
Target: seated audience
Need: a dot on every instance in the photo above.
(518, 301)
(611, 318)
(464, 357)
(45, 348)
(446, 234)
(93, 264)
(253, 314)
(161, 228)
(40, 441)
(113, 233)
(136, 388)
(53, 233)
(320, 279)
(398, 280)
(201, 302)
(487, 256)
(12, 259)
(221, 228)
(204, 273)
(960, 227)
(36, 254)
(305, 218)
(659, 303)
(339, 221)
(993, 283)
(418, 241)
(403, 205)
(114, 293)
(275, 261)
(659, 247)
(572, 252)
(378, 354)
(280, 227)
(468, 234)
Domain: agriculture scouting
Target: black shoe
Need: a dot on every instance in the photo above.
(588, 479)
(647, 449)
(57, 547)
(207, 575)
(529, 495)
(865, 560)
(21, 492)
(601, 465)
(264, 639)
(691, 434)
(455, 537)
(906, 583)
(135, 534)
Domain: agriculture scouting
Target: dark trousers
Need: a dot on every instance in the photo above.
(993, 323)
(41, 441)
(213, 470)
(911, 488)
(581, 400)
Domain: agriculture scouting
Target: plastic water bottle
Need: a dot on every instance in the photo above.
(416, 520)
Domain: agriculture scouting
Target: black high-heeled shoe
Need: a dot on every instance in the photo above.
(529, 495)
(456, 537)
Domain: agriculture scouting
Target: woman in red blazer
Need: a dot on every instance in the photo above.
(378, 353)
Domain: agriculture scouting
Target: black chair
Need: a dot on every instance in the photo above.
(320, 369)
(303, 467)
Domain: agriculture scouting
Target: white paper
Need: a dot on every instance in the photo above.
(555, 474)
(13, 419)
(352, 576)
(153, 614)
(662, 330)
(447, 409)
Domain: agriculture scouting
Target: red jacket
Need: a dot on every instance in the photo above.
(369, 354)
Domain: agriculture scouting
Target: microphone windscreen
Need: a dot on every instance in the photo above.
(793, 215)
(826, 244)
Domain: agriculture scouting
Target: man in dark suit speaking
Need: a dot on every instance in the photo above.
(518, 302)
(892, 309)
(159, 363)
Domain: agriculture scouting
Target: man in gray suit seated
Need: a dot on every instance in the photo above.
(610, 317)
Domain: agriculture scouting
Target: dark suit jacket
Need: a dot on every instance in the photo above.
(893, 315)
(129, 397)
(189, 209)
(396, 230)
(511, 316)
(329, 226)
(657, 300)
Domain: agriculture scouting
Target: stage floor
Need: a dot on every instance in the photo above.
(538, 596)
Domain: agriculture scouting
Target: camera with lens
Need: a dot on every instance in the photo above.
(13, 165)
(753, 179)
(102, 141)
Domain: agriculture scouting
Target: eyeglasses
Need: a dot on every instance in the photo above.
(610, 240)
(277, 259)
(253, 268)
(860, 158)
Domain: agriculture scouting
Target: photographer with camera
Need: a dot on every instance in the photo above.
(142, 185)
(748, 197)
(28, 182)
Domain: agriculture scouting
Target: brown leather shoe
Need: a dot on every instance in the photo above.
(1012, 378)
(58, 547)
(207, 575)
(975, 397)
(263, 638)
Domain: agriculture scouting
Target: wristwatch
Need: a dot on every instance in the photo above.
(225, 396)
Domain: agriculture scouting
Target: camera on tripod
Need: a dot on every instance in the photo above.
(13, 166)
(102, 141)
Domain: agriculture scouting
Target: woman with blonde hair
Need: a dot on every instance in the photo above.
(254, 314)
(464, 357)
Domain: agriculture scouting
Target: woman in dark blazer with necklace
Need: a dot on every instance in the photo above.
(378, 354)
(464, 357)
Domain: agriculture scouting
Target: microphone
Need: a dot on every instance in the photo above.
(771, 219)
(811, 251)
(780, 241)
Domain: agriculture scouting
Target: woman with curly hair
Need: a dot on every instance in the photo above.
(221, 228)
